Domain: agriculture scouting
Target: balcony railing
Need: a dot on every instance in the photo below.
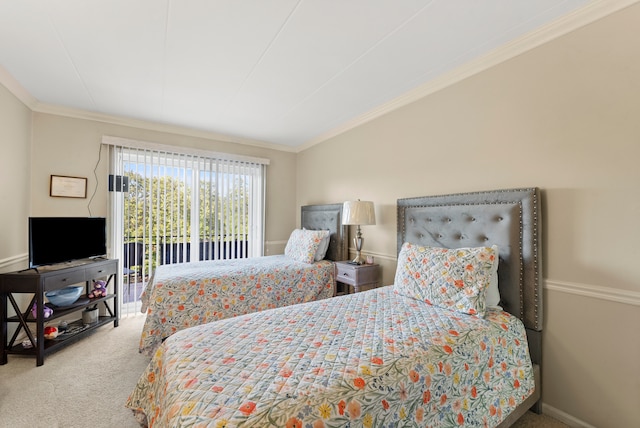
(136, 253)
(181, 252)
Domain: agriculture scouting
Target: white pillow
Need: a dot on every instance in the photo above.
(323, 247)
(493, 292)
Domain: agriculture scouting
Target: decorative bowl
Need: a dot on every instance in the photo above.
(64, 296)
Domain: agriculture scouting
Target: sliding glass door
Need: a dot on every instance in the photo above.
(171, 207)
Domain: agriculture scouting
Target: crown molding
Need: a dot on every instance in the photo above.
(585, 15)
(154, 126)
(13, 86)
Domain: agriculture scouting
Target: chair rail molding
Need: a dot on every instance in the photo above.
(594, 291)
(9, 262)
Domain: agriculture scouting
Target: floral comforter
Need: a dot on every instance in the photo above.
(184, 295)
(372, 359)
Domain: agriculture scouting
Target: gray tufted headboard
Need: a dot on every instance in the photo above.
(323, 217)
(509, 219)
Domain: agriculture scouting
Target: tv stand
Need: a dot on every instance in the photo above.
(37, 283)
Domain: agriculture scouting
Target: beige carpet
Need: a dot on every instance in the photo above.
(532, 420)
(86, 384)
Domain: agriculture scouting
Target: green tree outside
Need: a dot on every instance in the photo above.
(158, 213)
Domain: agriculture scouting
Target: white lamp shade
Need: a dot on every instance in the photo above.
(358, 212)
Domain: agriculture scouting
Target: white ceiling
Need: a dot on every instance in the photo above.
(285, 72)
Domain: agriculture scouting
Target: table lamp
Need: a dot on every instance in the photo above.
(360, 213)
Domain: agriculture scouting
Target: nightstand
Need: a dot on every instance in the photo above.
(360, 277)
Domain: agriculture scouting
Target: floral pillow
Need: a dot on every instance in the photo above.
(323, 247)
(303, 244)
(455, 279)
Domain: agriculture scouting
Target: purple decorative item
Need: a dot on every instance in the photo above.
(47, 311)
(99, 289)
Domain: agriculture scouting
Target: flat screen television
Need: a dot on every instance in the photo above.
(62, 239)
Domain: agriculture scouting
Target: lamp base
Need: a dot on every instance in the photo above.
(358, 260)
(357, 242)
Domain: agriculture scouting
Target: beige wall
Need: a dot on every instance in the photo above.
(15, 161)
(70, 146)
(564, 117)
(15, 149)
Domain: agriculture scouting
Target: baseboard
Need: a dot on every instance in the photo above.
(564, 417)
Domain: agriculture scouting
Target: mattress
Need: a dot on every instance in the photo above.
(372, 359)
(184, 295)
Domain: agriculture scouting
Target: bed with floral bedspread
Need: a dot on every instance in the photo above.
(372, 359)
(183, 295)
(434, 349)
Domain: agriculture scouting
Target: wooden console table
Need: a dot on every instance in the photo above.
(37, 282)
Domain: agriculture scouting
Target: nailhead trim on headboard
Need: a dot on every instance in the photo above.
(527, 203)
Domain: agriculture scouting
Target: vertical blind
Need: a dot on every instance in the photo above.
(170, 205)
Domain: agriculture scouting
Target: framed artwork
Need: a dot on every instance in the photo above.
(68, 187)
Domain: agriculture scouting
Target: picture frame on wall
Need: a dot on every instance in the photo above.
(62, 186)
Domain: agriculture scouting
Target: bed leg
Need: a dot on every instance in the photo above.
(537, 406)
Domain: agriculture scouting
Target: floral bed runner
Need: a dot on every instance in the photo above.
(372, 359)
(188, 294)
